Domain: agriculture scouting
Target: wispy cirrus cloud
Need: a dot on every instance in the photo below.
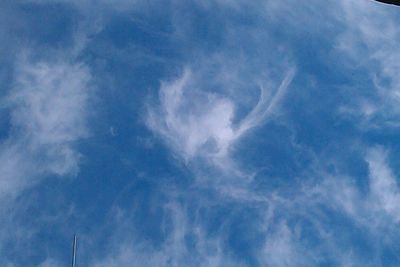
(377, 206)
(371, 42)
(45, 106)
(48, 114)
(316, 224)
(197, 123)
(206, 114)
(321, 222)
(185, 242)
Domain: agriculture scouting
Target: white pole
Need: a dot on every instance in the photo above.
(74, 252)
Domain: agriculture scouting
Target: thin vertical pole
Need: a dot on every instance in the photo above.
(74, 252)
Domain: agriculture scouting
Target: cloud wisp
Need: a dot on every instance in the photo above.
(48, 115)
(226, 116)
(127, 249)
(195, 123)
(371, 43)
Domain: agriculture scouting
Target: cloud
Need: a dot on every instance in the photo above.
(385, 191)
(377, 208)
(48, 107)
(45, 107)
(198, 123)
(48, 111)
(322, 221)
(282, 249)
(203, 115)
(185, 243)
(313, 225)
(370, 41)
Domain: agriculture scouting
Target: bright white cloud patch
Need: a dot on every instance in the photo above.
(196, 123)
(48, 114)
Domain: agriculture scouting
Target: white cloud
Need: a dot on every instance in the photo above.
(375, 209)
(371, 42)
(385, 191)
(315, 209)
(48, 115)
(48, 107)
(128, 250)
(197, 123)
(281, 249)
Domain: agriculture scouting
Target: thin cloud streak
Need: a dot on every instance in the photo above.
(265, 106)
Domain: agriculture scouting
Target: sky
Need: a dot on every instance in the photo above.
(199, 133)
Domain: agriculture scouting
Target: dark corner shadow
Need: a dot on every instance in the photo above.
(392, 2)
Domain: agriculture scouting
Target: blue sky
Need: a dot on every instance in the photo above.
(199, 133)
